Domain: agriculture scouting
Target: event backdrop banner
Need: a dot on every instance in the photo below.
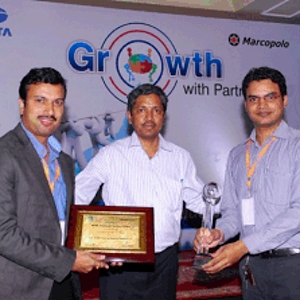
(104, 53)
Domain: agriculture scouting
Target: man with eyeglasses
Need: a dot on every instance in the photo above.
(261, 197)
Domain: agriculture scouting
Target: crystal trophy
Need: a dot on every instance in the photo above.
(211, 196)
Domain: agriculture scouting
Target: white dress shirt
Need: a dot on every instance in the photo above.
(131, 178)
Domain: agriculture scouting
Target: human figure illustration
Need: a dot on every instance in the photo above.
(108, 129)
(94, 129)
(71, 140)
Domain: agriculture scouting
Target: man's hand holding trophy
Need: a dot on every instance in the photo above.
(211, 197)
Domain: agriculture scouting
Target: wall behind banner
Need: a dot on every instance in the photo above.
(104, 53)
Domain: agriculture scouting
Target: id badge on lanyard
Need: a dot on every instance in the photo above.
(248, 216)
(248, 205)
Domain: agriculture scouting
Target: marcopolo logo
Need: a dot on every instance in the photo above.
(4, 31)
(234, 40)
(137, 53)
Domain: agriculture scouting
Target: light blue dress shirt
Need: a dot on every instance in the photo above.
(60, 192)
(275, 187)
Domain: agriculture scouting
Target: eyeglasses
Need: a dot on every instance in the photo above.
(268, 98)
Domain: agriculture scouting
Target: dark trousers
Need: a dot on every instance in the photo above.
(68, 289)
(142, 281)
(276, 278)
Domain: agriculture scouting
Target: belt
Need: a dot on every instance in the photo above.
(280, 252)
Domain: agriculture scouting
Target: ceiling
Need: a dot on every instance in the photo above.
(277, 11)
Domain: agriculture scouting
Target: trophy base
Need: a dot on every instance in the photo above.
(200, 260)
(225, 275)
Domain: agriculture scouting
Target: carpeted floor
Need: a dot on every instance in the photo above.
(192, 284)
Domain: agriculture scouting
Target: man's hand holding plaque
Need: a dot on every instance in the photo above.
(123, 234)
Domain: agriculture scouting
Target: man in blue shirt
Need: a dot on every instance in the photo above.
(36, 192)
(261, 197)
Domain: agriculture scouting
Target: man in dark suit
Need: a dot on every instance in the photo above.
(36, 191)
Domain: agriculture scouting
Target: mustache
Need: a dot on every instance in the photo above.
(48, 117)
(149, 123)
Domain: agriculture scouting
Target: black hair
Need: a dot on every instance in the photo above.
(256, 74)
(41, 75)
(146, 89)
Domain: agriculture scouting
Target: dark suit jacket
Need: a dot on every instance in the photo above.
(31, 255)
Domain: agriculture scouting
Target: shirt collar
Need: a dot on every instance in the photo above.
(282, 131)
(163, 144)
(54, 145)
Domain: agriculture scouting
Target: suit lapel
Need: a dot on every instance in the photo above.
(36, 167)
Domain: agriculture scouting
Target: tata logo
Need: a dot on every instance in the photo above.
(136, 53)
(4, 31)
